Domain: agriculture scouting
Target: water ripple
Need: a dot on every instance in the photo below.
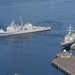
(53, 24)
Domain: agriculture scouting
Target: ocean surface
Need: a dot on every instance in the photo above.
(32, 54)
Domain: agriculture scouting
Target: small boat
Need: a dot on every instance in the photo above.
(14, 29)
(69, 38)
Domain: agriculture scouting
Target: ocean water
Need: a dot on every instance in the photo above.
(32, 54)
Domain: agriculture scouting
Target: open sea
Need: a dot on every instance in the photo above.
(32, 54)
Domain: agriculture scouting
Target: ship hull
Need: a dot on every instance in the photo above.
(23, 32)
(67, 46)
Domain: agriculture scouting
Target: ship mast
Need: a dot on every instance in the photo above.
(12, 23)
(70, 30)
(21, 20)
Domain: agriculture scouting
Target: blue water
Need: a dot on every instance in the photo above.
(32, 54)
